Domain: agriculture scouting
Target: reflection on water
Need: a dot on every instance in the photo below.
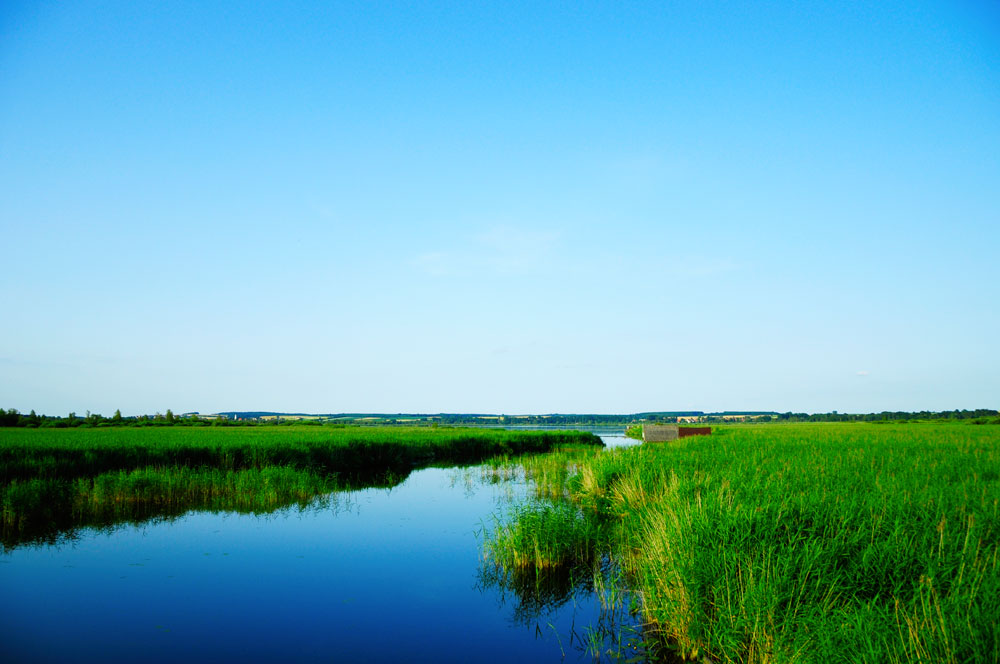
(380, 574)
(618, 440)
(534, 596)
(48, 511)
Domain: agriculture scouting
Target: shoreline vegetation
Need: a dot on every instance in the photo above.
(782, 543)
(56, 480)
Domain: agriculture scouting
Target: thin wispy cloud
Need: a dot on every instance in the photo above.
(508, 249)
(433, 262)
(698, 266)
(501, 250)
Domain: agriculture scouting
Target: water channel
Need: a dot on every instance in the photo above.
(372, 575)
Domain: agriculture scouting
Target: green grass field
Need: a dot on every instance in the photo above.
(55, 480)
(798, 543)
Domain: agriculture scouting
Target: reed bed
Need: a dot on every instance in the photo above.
(808, 543)
(53, 481)
(67, 453)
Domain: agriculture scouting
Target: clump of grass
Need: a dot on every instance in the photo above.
(542, 552)
(542, 536)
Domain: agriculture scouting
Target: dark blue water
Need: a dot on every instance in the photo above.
(373, 575)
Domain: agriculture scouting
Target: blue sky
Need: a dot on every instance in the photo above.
(507, 207)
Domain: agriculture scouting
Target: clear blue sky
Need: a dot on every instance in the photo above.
(499, 207)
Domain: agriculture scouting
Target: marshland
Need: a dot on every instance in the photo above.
(758, 543)
(54, 479)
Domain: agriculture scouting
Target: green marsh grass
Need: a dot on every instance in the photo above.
(538, 535)
(53, 481)
(634, 431)
(808, 543)
(67, 453)
(548, 474)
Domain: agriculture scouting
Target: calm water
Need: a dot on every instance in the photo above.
(373, 575)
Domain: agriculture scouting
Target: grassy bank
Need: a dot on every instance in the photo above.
(69, 453)
(53, 481)
(781, 543)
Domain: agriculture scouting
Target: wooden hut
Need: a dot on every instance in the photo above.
(659, 433)
(662, 433)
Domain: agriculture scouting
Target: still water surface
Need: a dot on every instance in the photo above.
(372, 575)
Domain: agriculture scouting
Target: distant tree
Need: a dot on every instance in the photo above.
(8, 418)
(117, 417)
(170, 416)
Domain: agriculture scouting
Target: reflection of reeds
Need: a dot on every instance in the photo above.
(537, 592)
(42, 509)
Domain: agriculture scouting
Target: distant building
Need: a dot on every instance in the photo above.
(659, 433)
(662, 433)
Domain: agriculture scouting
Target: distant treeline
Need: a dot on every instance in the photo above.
(12, 418)
(885, 416)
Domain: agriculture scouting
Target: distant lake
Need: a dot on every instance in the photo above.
(385, 575)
